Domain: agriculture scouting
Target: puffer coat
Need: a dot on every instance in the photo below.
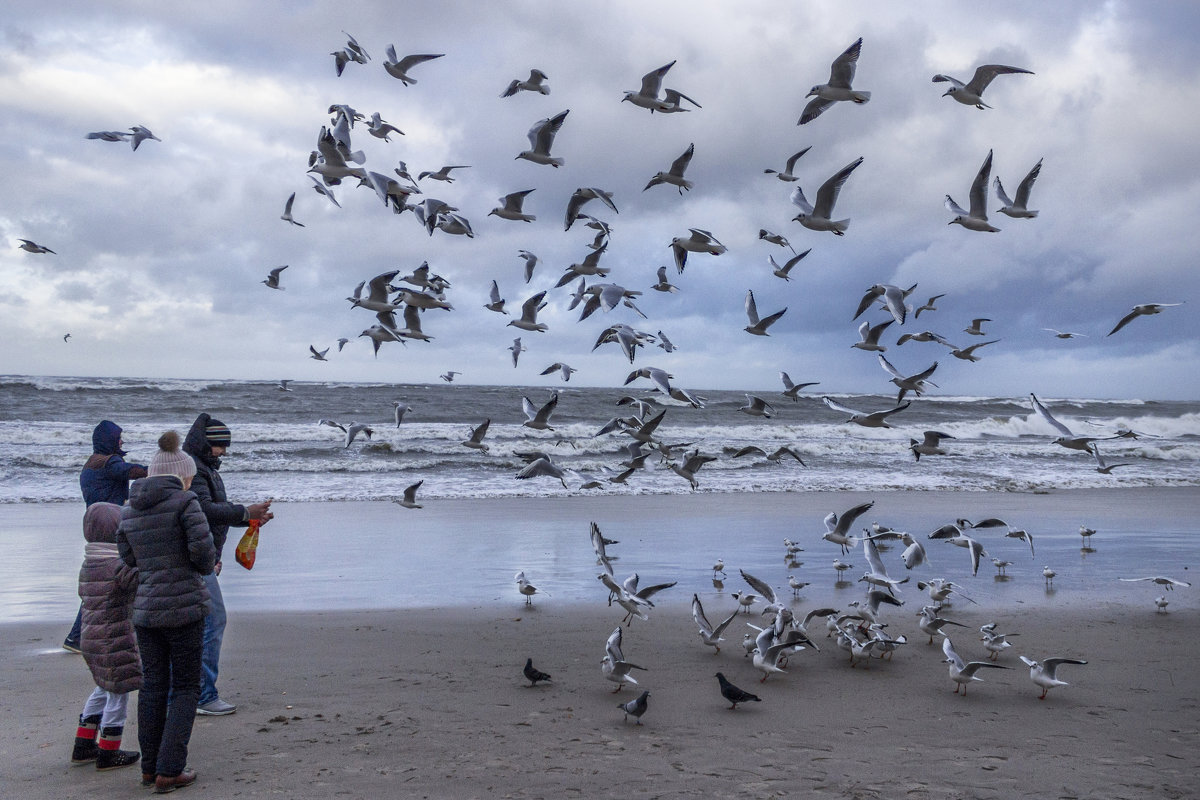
(165, 535)
(107, 586)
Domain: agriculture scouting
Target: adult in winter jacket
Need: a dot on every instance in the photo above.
(106, 585)
(206, 442)
(164, 534)
(105, 479)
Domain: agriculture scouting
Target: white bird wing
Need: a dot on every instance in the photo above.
(847, 518)
(887, 365)
(1027, 185)
(1046, 415)
(939, 78)
(841, 72)
(800, 201)
(681, 163)
(760, 586)
(828, 193)
(954, 208)
(948, 650)
(698, 615)
(751, 308)
(836, 406)
(979, 188)
(613, 646)
(873, 559)
(986, 72)
(652, 81)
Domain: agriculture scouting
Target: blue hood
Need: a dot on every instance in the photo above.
(106, 439)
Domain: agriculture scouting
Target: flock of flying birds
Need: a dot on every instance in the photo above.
(863, 631)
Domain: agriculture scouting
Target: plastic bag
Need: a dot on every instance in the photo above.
(247, 548)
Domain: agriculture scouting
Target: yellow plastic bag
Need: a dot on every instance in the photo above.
(247, 548)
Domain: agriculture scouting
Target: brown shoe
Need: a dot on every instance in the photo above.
(147, 779)
(164, 784)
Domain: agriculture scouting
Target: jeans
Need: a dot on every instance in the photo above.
(214, 632)
(76, 629)
(170, 665)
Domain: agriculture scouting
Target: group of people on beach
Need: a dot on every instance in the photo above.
(152, 616)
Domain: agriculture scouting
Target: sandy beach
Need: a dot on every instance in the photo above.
(426, 699)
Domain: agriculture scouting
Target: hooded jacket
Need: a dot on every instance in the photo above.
(107, 586)
(105, 477)
(164, 534)
(209, 488)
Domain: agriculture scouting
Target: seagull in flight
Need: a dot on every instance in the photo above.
(791, 389)
(969, 93)
(512, 207)
(787, 175)
(529, 312)
(495, 301)
(538, 418)
(975, 219)
(929, 305)
(1019, 208)
(876, 419)
(1102, 466)
(34, 247)
(317, 355)
(409, 500)
(272, 280)
(536, 82)
(1066, 439)
(448, 376)
(541, 139)
(1145, 309)
(517, 348)
(757, 326)
(818, 217)
(398, 67)
(700, 241)
(647, 95)
(287, 211)
(962, 672)
(841, 75)
(785, 271)
(674, 176)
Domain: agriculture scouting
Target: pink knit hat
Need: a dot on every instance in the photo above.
(170, 460)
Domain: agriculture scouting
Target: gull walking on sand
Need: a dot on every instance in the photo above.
(787, 174)
(970, 93)
(525, 587)
(975, 219)
(1048, 574)
(819, 216)
(841, 76)
(1018, 209)
(1143, 310)
(1044, 673)
(962, 672)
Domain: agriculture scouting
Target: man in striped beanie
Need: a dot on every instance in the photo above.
(206, 442)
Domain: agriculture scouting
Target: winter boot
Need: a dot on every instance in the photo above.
(109, 753)
(85, 740)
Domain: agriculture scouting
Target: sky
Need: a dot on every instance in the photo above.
(160, 253)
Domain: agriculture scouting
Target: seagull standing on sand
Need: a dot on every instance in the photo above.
(969, 93)
(525, 587)
(841, 75)
(1143, 310)
(818, 217)
(1044, 674)
(962, 672)
(975, 219)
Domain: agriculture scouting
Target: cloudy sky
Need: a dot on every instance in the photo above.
(160, 252)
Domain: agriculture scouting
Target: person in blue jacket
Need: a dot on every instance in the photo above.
(105, 479)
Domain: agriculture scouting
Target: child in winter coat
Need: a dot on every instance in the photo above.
(107, 586)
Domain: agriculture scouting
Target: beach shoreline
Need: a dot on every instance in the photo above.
(431, 703)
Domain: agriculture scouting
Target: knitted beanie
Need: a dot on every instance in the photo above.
(217, 433)
(170, 460)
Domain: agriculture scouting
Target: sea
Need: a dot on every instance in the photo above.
(280, 451)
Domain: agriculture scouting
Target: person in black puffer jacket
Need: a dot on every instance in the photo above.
(165, 535)
(206, 442)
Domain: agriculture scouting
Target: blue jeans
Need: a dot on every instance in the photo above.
(76, 629)
(170, 666)
(214, 632)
